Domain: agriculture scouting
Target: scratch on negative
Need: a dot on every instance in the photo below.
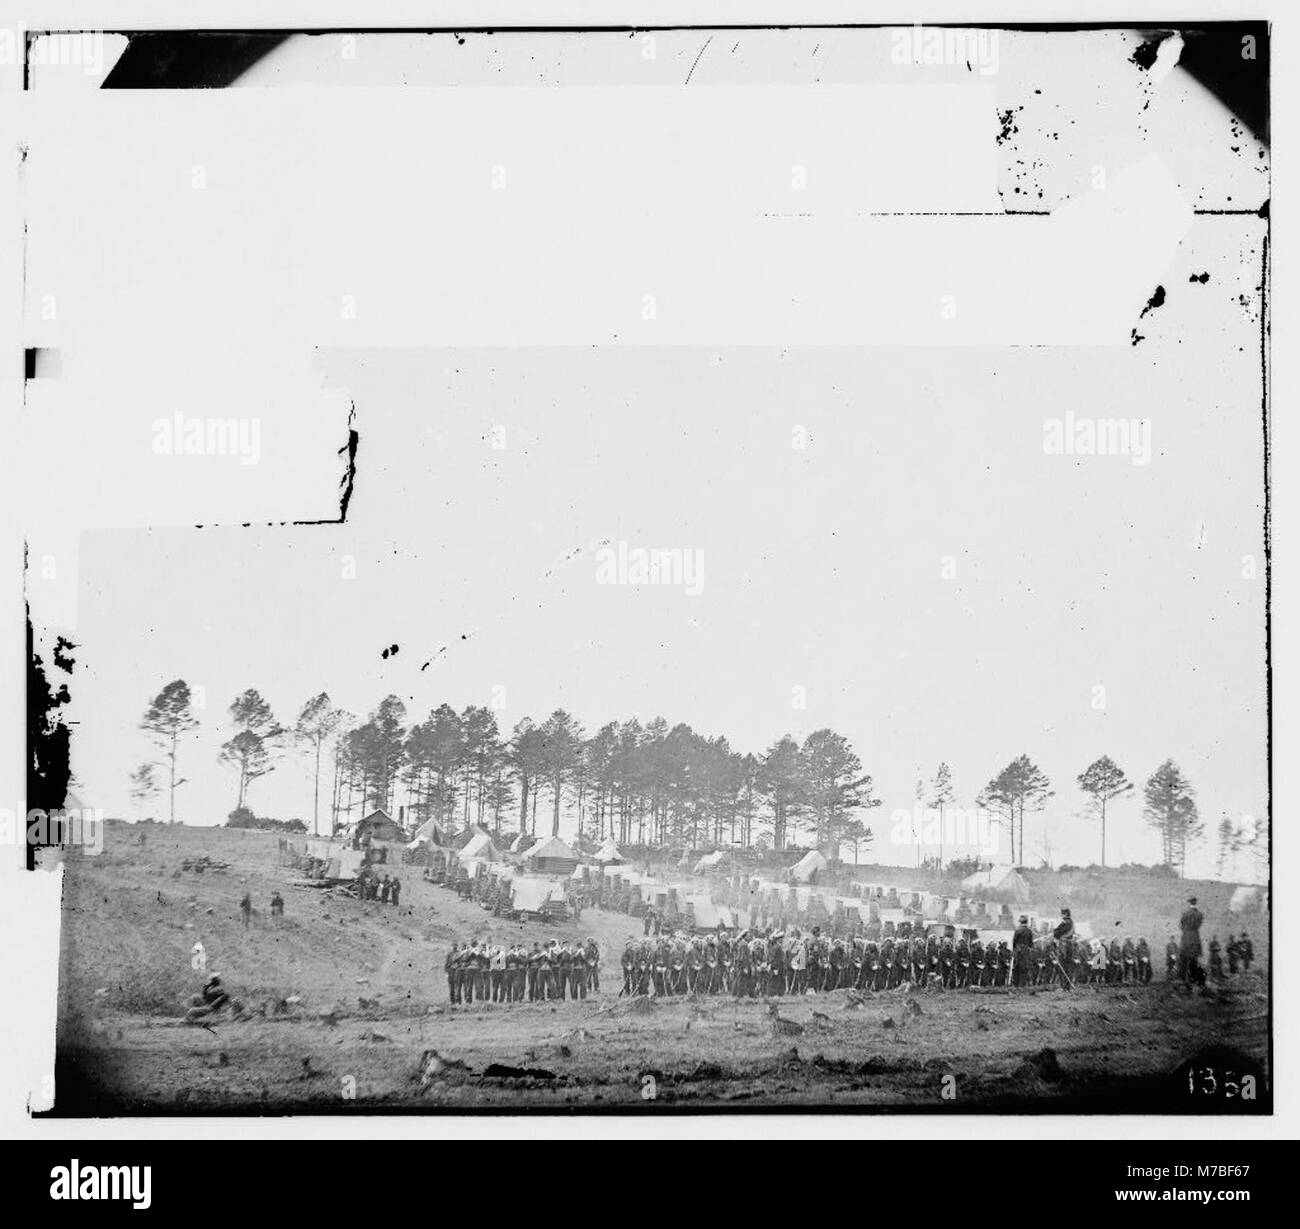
(702, 50)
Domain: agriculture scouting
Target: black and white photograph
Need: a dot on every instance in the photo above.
(655, 568)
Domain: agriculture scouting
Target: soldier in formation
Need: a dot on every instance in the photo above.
(501, 973)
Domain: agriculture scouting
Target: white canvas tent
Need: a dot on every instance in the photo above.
(708, 862)
(608, 854)
(1004, 879)
(428, 833)
(480, 847)
(529, 895)
(808, 865)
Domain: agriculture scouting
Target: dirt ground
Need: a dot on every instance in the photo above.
(347, 1011)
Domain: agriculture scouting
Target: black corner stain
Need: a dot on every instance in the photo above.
(1199, 277)
(49, 741)
(188, 59)
(1157, 299)
(1231, 60)
(1145, 53)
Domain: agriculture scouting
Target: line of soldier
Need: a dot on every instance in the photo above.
(510, 974)
(772, 964)
(1240, 949)
(371, 886)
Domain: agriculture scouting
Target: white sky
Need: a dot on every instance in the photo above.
(823, 567)
(523, 309)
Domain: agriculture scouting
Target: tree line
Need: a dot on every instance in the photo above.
(651, 784)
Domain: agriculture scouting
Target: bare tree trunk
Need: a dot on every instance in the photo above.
(315, 805)
(171, 810)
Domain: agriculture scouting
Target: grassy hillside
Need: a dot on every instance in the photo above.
(345, 997)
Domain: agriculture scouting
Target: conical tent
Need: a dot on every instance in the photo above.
(807, 866)
(1004, 879)
(609, 854)
(429, 833)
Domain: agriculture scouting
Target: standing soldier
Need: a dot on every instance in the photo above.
(627, 962)
(1064, 936)
(482, 971)
(507, 973)
(1003, 977)
(1171, 959)
(1114, 963)
(740, 984)
(246, 908)
(1247, 951)
(563, 968)
(798, 978)
(1216, 958)
(497, 972)
(643, 978)
(545, 974)
(534, 973)
(452, 967)
(396, 890)
(1189, 947)
(758, 965)
(277, 907)
(1022, 951)
(578, 973)
(1145, 972)
(521, 971)
(962, 977)
(468, 962)
(775, 964)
